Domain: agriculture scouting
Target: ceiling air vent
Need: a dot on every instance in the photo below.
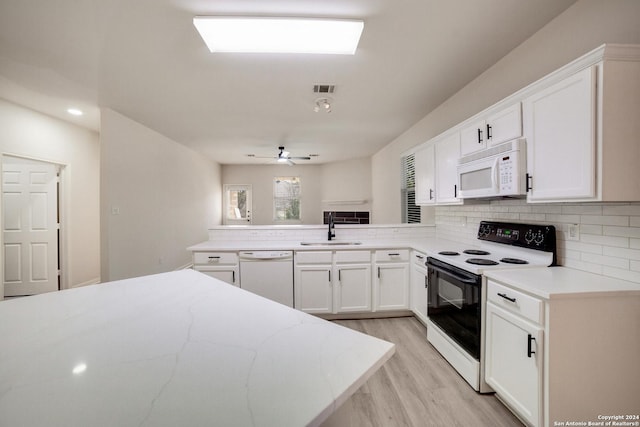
(323, 88)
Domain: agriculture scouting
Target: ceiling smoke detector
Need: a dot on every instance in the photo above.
(323, 104)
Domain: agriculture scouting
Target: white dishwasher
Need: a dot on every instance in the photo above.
(269, 274)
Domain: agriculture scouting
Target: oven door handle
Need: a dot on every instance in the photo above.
(462, 279)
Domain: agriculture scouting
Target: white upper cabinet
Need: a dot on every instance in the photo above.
(560, 133)
(504, 125)
(581, 125)
(436, 171)
(473, 138)
(497, 127)
(447, 153)
(582, 130)
(425, 163)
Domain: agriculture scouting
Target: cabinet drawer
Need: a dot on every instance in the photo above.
(392, 255)
(313, 257)
(215, 258)
(515, 301)
(353, 256)
(419, 259)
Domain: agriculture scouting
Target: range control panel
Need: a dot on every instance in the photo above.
(530, 236)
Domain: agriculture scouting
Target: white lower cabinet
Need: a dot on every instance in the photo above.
(221, 265)
(569, 357)
(418, 277)
(513, 361)
(312, 284)
(391, 281)
(353, 289)
(332, 282)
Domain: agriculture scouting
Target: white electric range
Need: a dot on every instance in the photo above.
(456, 289)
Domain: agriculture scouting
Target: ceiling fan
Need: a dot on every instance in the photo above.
(283, 157)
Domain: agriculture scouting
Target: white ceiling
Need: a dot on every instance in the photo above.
(144, 59)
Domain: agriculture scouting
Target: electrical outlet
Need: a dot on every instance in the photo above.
(573, 232)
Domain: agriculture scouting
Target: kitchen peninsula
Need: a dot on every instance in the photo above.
(176, 348)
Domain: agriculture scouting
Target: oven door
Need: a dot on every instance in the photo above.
(454, 303)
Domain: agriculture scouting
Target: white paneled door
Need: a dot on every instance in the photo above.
(237, 205)
(30, 226)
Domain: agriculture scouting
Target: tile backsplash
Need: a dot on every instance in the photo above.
(297, 233)
(347, 217)
(607, 242)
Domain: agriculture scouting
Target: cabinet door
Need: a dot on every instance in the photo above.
(229, 275)
(473, 138)
(447, 155)
(353, 290)
(419, 291)
(561, 143)
(312, 288)
(504, 125)
(425, 163)
(511, 367)
(392, 287)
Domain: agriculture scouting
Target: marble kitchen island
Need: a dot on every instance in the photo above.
(177, 348)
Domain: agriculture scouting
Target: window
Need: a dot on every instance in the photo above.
(286, 198)
(410, 211)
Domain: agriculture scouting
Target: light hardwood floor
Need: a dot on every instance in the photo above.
(417, 387)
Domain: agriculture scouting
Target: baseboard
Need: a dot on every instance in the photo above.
(185, 267)
(364, 315)
(93, 281)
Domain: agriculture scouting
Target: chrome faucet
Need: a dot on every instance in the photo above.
(332, 227)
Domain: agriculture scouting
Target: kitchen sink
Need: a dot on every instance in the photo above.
(330, 243)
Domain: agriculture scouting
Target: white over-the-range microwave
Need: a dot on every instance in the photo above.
(498, 171)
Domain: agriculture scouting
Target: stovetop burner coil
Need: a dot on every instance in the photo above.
(475, 252)
(514, 261)
(481, 261)
(449, 253)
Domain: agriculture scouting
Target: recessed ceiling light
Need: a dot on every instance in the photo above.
(74, 111)
(279, 35)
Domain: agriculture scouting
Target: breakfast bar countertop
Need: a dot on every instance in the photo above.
(177, 348)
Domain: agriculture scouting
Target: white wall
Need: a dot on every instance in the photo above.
(157, 198)
(581, 28)
(349, 181)
(260, 177)
(345, 184)
(24, 132)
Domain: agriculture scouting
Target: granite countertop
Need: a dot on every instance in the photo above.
(177, 348)
(562, 282)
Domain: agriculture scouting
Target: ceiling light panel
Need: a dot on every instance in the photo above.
(279, 35)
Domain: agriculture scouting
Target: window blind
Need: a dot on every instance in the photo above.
(410, 211)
